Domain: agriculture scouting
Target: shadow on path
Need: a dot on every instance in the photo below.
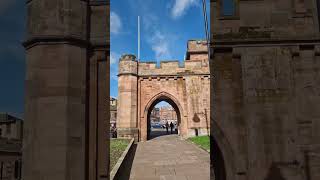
(157, 132)
(168, 157)
(125, 169)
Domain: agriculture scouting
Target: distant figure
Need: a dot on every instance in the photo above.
(114, 132)
(167, 127)
(171, 127)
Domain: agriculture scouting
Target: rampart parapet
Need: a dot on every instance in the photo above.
(196, 62)
(173, 67)
(128, 65)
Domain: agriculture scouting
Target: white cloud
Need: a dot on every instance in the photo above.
(114, 59)
(160, 45)
(181, 6)
(153, 32)
(155, 36)
(149, 22)
(115, 23)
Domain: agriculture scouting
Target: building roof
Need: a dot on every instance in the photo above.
(7, 118)
(112, 98)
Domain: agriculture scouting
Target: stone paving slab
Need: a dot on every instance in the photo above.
(170, 158)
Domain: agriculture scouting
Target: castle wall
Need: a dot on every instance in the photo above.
(191, 92)
(198, 104)
(173, 68)
(149, 88)
(188, 83)
(185, 84)
(127, 97)
(266, 20)
(265, 84)
(67, 84)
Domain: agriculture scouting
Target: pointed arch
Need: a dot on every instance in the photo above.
(152, 102)
(163, 96)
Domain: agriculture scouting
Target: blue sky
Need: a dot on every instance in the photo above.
(166, 26)
(12, 58)
(162, 104)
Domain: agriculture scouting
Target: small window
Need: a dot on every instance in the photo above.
(196, 132)
(318, 7)
(8, 127)
(228, 8)
(16, 169)
(1, 170)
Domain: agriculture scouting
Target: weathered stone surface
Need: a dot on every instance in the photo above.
(265, 90)
(169, 157)
(66, 122)
(266, 20)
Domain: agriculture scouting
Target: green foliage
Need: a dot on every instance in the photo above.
(202, 141)
(117, 147)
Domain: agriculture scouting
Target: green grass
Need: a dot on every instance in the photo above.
(117, 147)
(202, 141)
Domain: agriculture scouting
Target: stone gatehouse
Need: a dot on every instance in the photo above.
(186, 87)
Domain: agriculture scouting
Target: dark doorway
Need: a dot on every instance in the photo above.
(217, 170)
(162, 113)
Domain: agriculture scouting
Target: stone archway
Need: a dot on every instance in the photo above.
(186, 86)
(222, 157)
(163, 96)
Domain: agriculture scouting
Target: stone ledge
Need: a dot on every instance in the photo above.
(128, 133)
(130, 74)
(55, 39)
(124, 156)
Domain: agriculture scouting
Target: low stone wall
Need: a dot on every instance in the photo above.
(114, 174)
(192, 132)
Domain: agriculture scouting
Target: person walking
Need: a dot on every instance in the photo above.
(167, 127)
(114, 131)
(171, 127)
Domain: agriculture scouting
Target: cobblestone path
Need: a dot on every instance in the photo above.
(170, 158)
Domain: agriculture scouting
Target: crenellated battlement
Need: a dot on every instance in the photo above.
(196, 62)
(197, 46)
(173, 67)
(196, 50)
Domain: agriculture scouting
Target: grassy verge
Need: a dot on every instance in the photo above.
(202, 141)
(117, 146)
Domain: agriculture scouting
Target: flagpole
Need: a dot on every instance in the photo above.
(206, 27)
(138, 38)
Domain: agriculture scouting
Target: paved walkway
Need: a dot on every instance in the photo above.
(169, 158)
